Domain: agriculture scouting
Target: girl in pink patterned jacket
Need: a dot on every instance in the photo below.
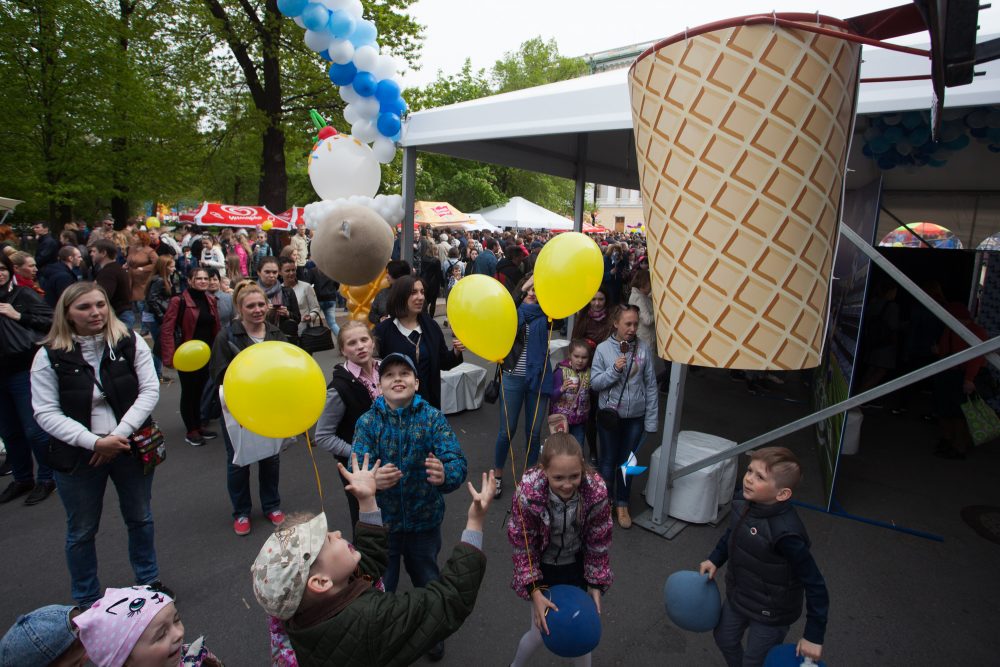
(560, 531)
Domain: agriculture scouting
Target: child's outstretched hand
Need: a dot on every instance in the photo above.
(481, 501)
(539, 605)
(806, 649)
(361, 481)
(707, 567)
(435, 470)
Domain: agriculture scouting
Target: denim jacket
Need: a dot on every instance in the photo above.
(404, 437)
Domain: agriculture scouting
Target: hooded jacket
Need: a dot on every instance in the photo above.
(529, 530)
(405, 437)
(640, 397)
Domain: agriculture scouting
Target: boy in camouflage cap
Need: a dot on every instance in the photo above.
(321, 586)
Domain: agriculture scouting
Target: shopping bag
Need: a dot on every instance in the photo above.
(984, 424)
(248, 447)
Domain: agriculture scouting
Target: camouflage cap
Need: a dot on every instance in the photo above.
(281, 569)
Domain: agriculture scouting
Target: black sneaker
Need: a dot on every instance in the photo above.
(436, 653)
(499, 491)
(194, 439)
(208, 435)
(15, 490)
(41, 491)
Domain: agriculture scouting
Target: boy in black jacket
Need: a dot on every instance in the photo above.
(770, 566)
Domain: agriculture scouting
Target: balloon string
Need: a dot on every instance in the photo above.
(513, 470)
(538, 399)
(319, 484)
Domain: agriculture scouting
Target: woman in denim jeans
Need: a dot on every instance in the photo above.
(526, 381)
(624, 379)
(92, 386)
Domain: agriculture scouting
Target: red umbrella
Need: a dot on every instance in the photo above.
(293, 216)
(226, 215)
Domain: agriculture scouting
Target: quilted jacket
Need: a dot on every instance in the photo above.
(404, 437)
(392, 628)
(528, 531)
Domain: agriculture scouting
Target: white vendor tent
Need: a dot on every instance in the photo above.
(480, 224)
(521, 213)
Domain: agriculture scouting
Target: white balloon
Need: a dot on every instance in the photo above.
(351, 114)
(365, 131)
(367, 107)
(355, 8)
(299, 22)
(333, 5)
(348, 94)
(385, 68)
(341, 51)
(316, 40)
(341, 166)
(365, 59)
(384, 150)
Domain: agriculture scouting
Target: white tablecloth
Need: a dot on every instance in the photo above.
(462, 388)
(696, 498)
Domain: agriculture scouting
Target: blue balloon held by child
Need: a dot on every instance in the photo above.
(575, 629)
(692, 600)
(783, 655)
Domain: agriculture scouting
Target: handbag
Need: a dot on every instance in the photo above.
(148, 446)
(492, 391)
(608, 418)
(316, 338)
(984, 424)
(15, 338)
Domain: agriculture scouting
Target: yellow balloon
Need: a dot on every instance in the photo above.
(268, 374)
(191, 356)
(152, 222)
(483, 316)
(267, 225)
(567, 274)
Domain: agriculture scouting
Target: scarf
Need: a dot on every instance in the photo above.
(21, 281)
(597, 316)
(536, 347)
(272, 292)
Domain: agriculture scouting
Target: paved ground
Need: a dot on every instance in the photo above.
(896, 599)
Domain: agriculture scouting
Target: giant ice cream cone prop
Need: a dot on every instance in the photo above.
(741, 134)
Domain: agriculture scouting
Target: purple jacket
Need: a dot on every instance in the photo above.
(529, 530)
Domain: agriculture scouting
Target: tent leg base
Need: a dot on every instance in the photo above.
(671, 528)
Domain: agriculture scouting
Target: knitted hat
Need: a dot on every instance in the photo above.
(281, 569)
(111, 627)
(38, 637)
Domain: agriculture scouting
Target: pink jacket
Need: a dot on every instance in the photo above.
(530, 517)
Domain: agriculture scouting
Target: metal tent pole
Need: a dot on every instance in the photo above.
(409, 195)
(581, 188)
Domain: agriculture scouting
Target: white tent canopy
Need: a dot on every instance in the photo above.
(521, 213)
(479, 224)
(588, 122)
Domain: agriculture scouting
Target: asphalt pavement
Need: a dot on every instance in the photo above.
(896, 598)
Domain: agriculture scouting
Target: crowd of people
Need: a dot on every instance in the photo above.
(92, 320)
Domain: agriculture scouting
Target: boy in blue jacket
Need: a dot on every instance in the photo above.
(421, 461)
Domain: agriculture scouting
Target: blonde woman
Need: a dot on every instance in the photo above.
(92, 386)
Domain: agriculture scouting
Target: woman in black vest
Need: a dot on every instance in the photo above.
(248, 327)
(414, 333)
(25, 318)
(351, 392)
(92, 386)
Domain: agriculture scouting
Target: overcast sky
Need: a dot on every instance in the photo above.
(485, 30)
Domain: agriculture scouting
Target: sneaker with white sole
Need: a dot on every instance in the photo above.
(242, 526)
(276, 517)
(194, 439)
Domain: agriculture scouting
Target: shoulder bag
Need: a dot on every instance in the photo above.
(316, 338)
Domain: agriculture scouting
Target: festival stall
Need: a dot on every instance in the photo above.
(439, 214)
(519, 213)
(226, 215)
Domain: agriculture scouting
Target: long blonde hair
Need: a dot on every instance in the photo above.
(60, 336)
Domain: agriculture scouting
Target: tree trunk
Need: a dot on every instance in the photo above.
(273, 190)
(120, 205)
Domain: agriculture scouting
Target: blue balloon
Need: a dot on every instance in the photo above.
(879, 145)
(364, 33)
(885, 163)
(575, 629)
(692, 600)
(325, 55)
(387, 91)
(396, 106)
(388, 124)
(959, 143)
(315, 16)
(912, 119)
(292, 8)
(364, 84)
(920, 135)
(342, 75)
(783, 655)
(341, 24)
(893, 133)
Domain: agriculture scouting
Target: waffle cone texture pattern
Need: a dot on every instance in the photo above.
(742, 136)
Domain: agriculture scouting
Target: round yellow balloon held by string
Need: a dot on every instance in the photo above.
(567, 274)
(270, 372)
(191, 356)
(152, 222)
(267, 225)
(483, 316)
